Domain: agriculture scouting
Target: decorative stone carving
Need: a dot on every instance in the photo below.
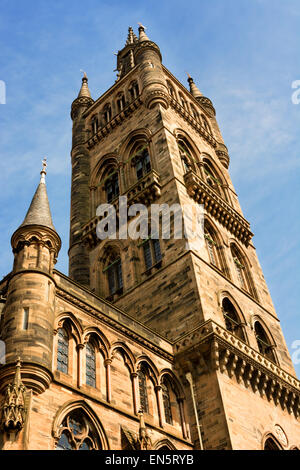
(280, 434)
(13, 411)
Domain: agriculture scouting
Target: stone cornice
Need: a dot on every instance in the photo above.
(227, 353)
(218, 207)
(118, 326)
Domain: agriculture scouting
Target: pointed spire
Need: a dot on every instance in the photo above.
(39, 210)
(142, 35)
(84, 90)
(131, 38)
(194, 90)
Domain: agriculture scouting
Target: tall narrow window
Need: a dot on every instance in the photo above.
(211, 246)
(143, 164)
(152, 253)
(115, 279)
(134, 90)
(112, 187)
(90, 365)
(107, 114)
(121, 102)
(25, 318)
(62, 351)
(167, 402)
(232, 320)
(185, 157)
(95, 125)
(206, 125)
(144, 404)
(264, 345)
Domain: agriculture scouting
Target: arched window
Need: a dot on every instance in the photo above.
(107, 114)
(142, 162)
(232, 320)
(112, 185)
(62, 350)
(77, 433)
(186, 157)
(205, 124)
(195, 113)
(264, 344)
(167, 401)
(152, 252)
(114, 276)
(95, 125)
(121, 102)
(183, 101)
(134, 90)
(240, 267)
(212, 178)
(90, 365)
(211, 245)
(271, 444)
(144, 402)
(171, 90)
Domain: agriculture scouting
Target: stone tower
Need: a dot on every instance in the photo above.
(154, 141)
(28, 315)
(151, 342)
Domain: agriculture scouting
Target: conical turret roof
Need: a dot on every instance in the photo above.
(39, 211)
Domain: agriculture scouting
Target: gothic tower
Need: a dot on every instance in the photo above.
(154, 141)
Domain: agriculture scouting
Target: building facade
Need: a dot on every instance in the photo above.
(148, 343)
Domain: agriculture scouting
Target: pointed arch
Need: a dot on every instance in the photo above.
(80, 406)
(163, 444)
(126, 353)
(265, 341)
(242, 269)
(138, 155)
(213, 176)
(146, 361)
(215, 246)
(102, 342)
(174, 380)
(75, 326)
(270, 442)
(109, 269)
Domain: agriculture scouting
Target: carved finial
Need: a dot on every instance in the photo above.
(84, 75)
(13, 409)
(142, 35)
(44, 172)
(144, 438)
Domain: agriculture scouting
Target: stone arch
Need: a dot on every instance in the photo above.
(84, 407)
(222, 262)
(163, 444)
(76, 327)
(172, 377)
(136, 142)
(243, 268)
(102, 341)
(182, 136)
(108, 251)
(270, 344)
(146, 361)
(270, 442)
(127, 354)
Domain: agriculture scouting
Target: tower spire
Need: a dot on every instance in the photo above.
(39, 209)
(84, 90)
(142, 35)
(194, 90)
(131, 38)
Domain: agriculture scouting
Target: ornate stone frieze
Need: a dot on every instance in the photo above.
(218, 207)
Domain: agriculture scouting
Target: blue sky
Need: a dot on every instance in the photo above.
(243, 54)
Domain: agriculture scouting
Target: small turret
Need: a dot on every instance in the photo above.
(147, 54)
(28, 315)
(78, 256)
